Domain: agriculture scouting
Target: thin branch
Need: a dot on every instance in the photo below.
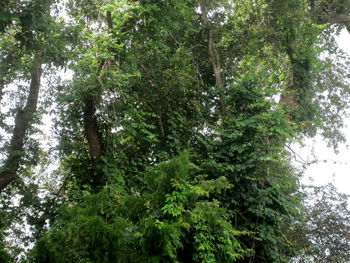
(297, 155)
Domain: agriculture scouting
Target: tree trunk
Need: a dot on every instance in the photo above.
(213, 56)
(91, 129)
(92, 132)
(322, 12)
(24, 116)
(290, 96)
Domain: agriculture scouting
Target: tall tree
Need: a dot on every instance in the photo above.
(27, 27)
(155, 79)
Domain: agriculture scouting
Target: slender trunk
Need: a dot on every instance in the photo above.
(91, 129)
(24, 116)
(213, 56)
(93, 135)
(92, 132)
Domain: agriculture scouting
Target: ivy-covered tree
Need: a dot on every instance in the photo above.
(172, 130)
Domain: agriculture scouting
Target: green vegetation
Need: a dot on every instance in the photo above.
(171, 131)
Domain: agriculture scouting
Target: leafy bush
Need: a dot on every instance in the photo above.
(167, 218)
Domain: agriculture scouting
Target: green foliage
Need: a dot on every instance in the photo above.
(149, 73)
(248, 154)
(164, 216)
(321, 234)
(4, 254)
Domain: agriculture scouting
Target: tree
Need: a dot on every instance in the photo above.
(322, 234)
(153, 80)
(26, 34)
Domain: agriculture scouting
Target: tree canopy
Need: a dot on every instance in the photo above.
(171, 123)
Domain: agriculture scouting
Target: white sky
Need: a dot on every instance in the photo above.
(337, 167)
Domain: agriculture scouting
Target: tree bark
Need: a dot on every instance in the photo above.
(92, 132)
(290, 95)
(91, 129)
(24, 116)
(213, 56)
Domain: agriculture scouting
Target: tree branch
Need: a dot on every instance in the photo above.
(331, 12)
(336, 19)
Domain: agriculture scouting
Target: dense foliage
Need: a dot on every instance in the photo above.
(171, 120)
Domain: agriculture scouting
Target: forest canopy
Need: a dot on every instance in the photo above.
(160, 130)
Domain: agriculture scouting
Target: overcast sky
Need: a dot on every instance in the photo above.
(337, 167)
